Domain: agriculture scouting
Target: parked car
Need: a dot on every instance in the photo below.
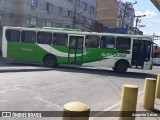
(156, 61)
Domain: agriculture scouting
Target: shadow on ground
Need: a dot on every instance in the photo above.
(21, 67)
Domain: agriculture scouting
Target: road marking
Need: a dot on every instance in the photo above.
(111, 107)
(48, 102)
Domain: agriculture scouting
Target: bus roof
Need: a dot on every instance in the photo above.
(65, 29)
(79, 32)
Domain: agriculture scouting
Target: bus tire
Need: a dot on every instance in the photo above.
(50, 61)
(121, 67)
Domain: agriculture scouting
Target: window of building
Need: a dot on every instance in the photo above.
(124, 25)
(68, 26)
(60, 39)
(44, 38)
(127, 25)
(119, 23)
(123, 43)
(13, 35)
(1, 14)
(59, 25)
(128, 17)
(70, 1)
(49, 7)
(69, 13)
(120, 14)
(12, 15)
(132, 19)
(83, 20)
(92, 10)
(31, 20)
(90, 21)
(107, 42)
(28, 36)
(84, 6)
(47, 23)
(78, 2)
(32, 3)
(92, 41)
(60, 10)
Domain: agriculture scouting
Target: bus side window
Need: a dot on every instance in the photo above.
(92, 41)
(13, 35)
(123, 43)
(28, 37)
(107, 42)
(44, 38)
(60, 39)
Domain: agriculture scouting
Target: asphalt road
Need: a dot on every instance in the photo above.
(37, 88)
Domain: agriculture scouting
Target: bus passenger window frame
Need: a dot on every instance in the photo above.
(54, 39)
(122, 38)
(98, 41)
(41, 34)
(34, 38)
(103, 45)
(9, 39)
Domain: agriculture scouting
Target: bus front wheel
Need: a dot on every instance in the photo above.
(50, 61)
(121, 67)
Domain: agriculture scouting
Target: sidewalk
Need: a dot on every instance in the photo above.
(139, 108)
(18, 66)
(22, 69)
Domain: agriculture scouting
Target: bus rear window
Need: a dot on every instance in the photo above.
(13, 35)
(60, 39)
(123, 43)
(28, 37)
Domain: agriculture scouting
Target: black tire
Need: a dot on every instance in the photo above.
(50, 61)
(121, 67)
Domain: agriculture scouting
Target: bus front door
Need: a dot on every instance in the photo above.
(138, 54)
(75, 51)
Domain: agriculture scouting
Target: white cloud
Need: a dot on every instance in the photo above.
(148, 13)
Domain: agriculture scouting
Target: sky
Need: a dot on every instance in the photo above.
(152, 19)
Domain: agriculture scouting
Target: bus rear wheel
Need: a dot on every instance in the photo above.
(121, 67)
(50, 61)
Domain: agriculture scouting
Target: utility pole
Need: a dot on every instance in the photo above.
(137, 20)
(125, 13)
(74, 14)
(126, 5)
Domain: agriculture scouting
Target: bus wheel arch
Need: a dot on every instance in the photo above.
(50, 60)
(121, 66)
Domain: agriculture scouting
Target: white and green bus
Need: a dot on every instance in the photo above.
(54, 47)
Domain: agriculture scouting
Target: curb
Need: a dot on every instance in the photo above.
(23, 70)
(111, 107)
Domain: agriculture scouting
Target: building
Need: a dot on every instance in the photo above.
(111, 13)
(129, 30)
(48, 13)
